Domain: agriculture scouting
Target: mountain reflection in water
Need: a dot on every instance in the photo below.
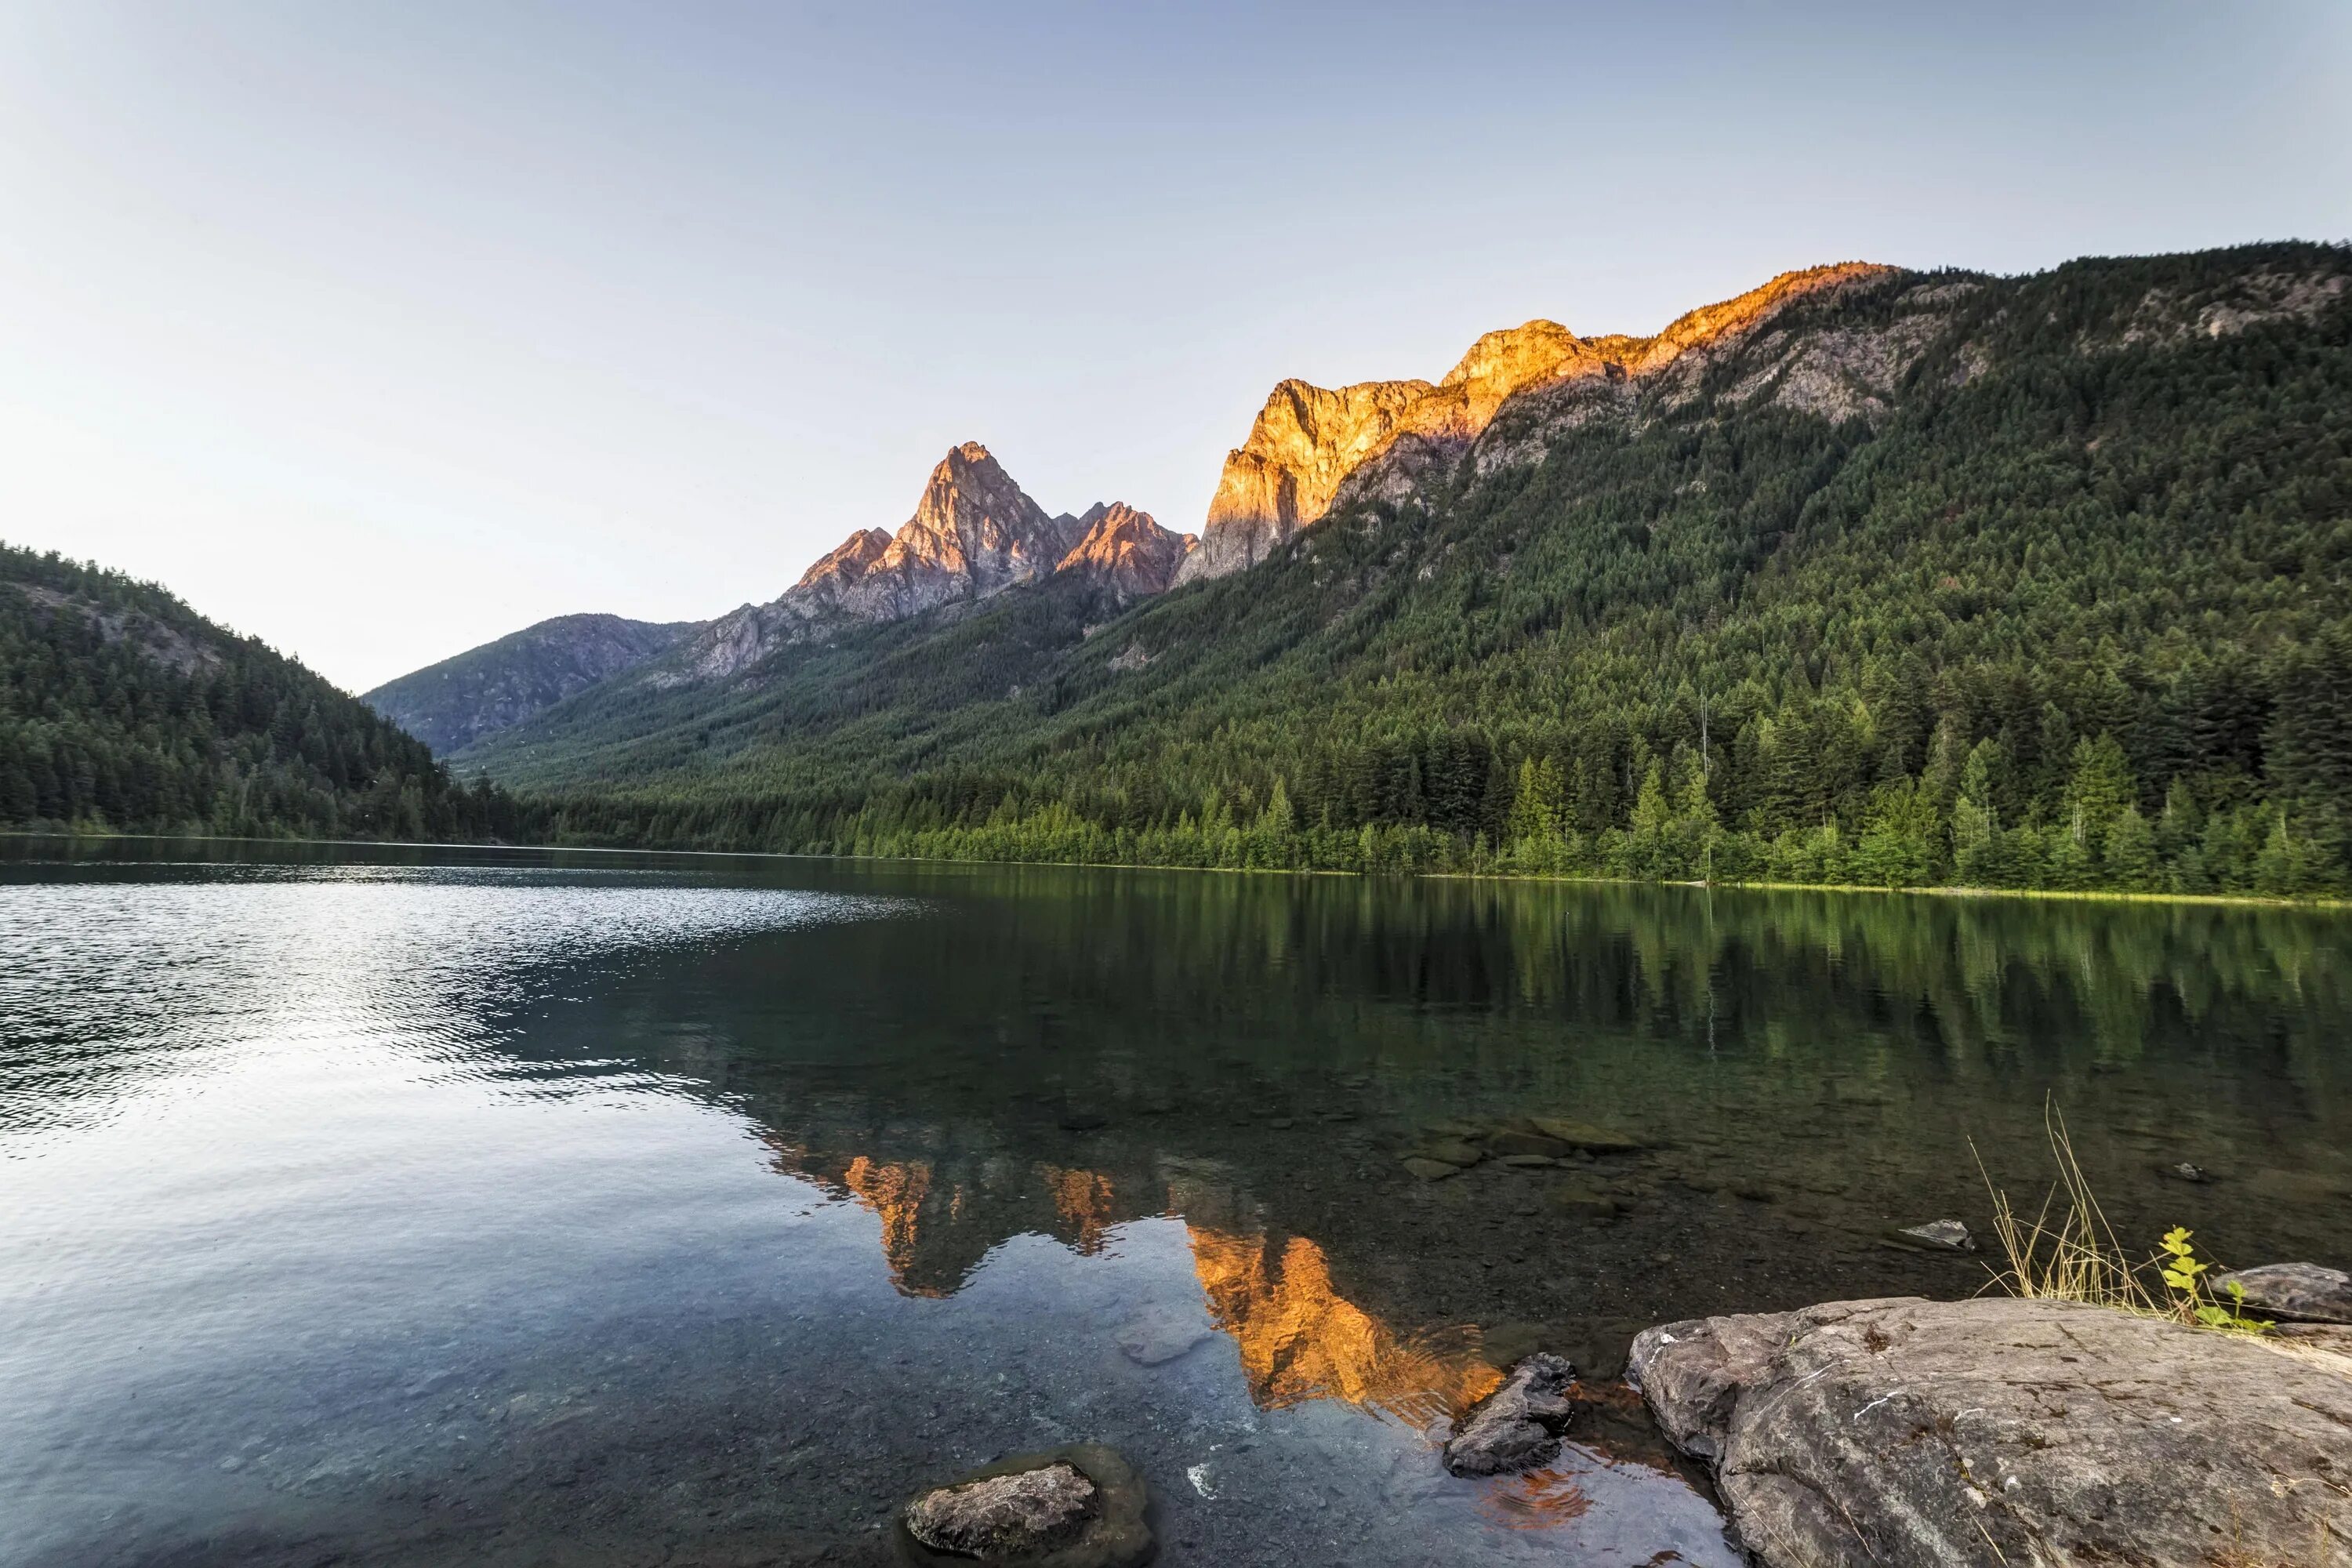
(1298, 1338)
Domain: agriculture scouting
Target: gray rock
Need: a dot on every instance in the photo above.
(1937, 1235)
(1999, 1429)
(1029, 1510)
(2301, 1291)
(1430, 1170)
(1448, 1151)
(1081, 1506)
(2183, 1171)
(1518, 1425)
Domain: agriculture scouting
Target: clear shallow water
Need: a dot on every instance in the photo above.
(645, 1210)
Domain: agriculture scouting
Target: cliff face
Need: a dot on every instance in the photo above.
(973, 534)
(1305, 440)
(462, 699)
(1308, 442)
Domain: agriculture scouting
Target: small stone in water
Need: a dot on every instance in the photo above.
(2182, 1171)
(1519, 1425)
(1430, 1170)
(1020, 1513)
(1947, 1235)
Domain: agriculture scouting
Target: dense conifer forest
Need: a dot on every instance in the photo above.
(121, 708)
(2066, 608)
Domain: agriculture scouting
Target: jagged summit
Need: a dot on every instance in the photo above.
(1308, 440)
(974, 534)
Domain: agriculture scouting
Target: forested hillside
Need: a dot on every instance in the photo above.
(1927, 578)
(120, 708)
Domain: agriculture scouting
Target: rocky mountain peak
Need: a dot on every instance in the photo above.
(1127, 551)
(1501, 362)
(973, 533)
(1308, 441)
(849, 559)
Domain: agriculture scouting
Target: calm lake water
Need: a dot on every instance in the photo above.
(390, 1207)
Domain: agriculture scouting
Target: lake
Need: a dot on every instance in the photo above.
(386, 1207)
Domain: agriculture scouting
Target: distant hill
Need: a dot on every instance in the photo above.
(452, 704)
(1869, 576)
(122, 708)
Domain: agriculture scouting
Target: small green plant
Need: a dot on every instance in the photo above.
(2183, 1273)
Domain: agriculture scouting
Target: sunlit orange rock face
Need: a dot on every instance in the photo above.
(1126, 550)
(1300, 1339)
(896, 1192)
(1308, 440)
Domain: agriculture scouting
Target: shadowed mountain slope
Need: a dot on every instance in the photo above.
(452, 704)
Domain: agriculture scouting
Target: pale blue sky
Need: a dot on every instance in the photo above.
(383, 330)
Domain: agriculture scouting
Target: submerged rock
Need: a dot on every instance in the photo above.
(1160, 1335)
(1585, 1136)
(1448, 1151)
(2302, 1291)
(1999, 1430)
(1511, 1141)
(1595, 1204)
(1076, 1507)
(1518, 1425)
(1430, 1170)
(2182, 1171)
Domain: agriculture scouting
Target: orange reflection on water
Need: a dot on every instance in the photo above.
(1083, 1200)
(1537, 1499)
(1301, 1340)
(896, 1192)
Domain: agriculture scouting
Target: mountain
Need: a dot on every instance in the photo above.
(1872, 576)
(1125, 551)
(452, 704)
(1308, 441)
(975, 534)
(122, 708)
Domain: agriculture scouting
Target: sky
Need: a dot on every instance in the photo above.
(379, 330)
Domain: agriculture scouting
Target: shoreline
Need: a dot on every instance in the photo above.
(2241, 901)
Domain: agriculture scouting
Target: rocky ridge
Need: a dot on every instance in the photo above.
(973, 534)
(1309, 444)
(485, 689)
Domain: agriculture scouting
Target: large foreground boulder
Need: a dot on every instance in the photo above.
(2001, 1431)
